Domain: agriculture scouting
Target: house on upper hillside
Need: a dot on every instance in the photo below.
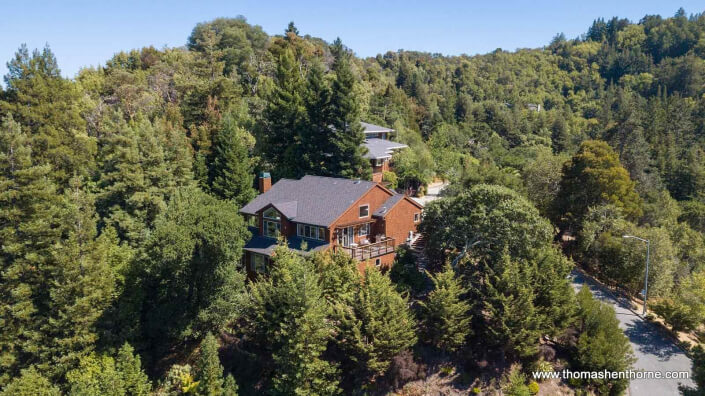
(379, 148)
(315, 213)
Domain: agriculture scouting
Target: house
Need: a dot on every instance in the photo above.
(379, 148)
(315, 213)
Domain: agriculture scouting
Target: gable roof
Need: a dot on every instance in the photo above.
(372, 128)
(387, 206)
(381, 148)
(314, 200)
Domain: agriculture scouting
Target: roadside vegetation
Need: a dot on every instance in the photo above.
(121, 242)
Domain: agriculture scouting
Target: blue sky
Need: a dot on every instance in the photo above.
(83, 33)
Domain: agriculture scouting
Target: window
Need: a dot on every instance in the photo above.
(312, 232)
(416, 217)
(365, 229)
(379, 162)
(258, 263)
(378, 262)
(364, 210)
(272, 228)
(271, 214)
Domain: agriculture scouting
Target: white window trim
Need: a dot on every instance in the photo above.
(417, 217)
(316, 232)
(378, 262)
(368, 211)
(366, 227)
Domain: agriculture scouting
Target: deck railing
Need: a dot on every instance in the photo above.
(364, 252)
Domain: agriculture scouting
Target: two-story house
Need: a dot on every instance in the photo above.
(362, 218)
(379, 148)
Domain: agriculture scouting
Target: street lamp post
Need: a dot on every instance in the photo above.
(646, 277)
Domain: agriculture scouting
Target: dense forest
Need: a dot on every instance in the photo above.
(120, 267)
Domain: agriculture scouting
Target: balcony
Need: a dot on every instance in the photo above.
(371, 250)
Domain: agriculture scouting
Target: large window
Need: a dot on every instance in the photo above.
(272, 223)
(417, 217)
(311, 232)
(258, 263)
(364, 210)
(272, 228)
(365, 229)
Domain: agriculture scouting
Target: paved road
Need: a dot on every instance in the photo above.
(654, 350)
(433, 193)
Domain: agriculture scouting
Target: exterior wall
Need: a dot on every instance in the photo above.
(386, 262)
(375, 198)
(400, 220)
(288, 228)
(380, 169)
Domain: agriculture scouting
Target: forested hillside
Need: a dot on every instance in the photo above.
(121, 240)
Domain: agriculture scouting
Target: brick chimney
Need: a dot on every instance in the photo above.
(265, 182)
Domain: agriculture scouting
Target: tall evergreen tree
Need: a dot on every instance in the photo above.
(512, 319)
(601, 344)
(594, 176)
(209, 371)
(284, 117)
(289, 318)
(83, 284)
(347, 157)
(446, 316)
(231, 168)
(376, 327)
(141, 166)
(29, 228)
(50, 107)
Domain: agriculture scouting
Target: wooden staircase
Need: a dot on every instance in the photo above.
(418, 245)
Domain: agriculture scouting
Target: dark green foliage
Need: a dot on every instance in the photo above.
(601, 343)
(106, 239)
(190, 271)
(287, 318)
(487, 219)
(594, 176)
(405, 272)
(698, 356)
(375, 327)
(513, 321)
(446, 317)
(346, 159)
(209, 372)
(50, 107)
(140, 167)
(231, 172)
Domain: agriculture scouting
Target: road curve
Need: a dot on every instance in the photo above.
(653, 348)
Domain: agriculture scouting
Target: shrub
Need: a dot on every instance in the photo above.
(543, 366)
(404, 369)
(476, 390)
(391, 178)
(533, 387)
(515, 383)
